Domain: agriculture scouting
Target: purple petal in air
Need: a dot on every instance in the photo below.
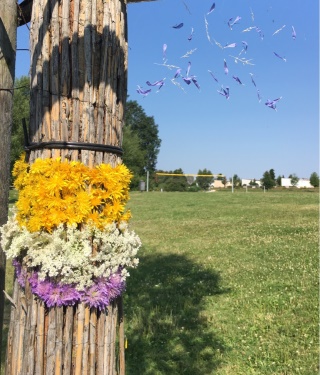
(164, 49)
(212, 8)
(178, 26)
(191, 35)
(280, 57)
(252, 80)
(245, 45)
(231, 45)
(294, 35)
(237, 79)
(178, 73)
(258, 94)
(196, 83)
(187, 80)
(212, 75)
(188, 69)
(143, 92)
(225, 67)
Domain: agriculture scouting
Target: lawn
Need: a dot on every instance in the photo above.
(227, 284)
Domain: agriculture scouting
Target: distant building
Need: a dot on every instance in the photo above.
(246, 182)
(302, 183)
(217, 184)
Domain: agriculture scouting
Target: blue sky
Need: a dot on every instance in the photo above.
(200, 128)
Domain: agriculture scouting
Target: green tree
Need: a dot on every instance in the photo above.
(204, 182)
(133, 155)
(220, 177)
(21, 109)
(267, 181)
(278, 180)
(314, 179)
(173, 183)
(272, 174)
(147, 130)
(236, 180)
(294, 179)
(224, 181)
(253, 182)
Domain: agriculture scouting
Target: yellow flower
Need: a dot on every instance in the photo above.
(52, 192)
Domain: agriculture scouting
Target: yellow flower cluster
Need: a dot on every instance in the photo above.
(53, 192)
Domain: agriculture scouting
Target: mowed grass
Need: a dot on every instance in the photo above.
(227, 284)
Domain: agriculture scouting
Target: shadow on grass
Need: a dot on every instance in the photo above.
(166, 329)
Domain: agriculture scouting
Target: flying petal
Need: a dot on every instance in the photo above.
(259, 97)
(191, 35)
(225, 67)
(230, 23)
(294, 35)
(178, 73)
(224, 92)
(237, 79)
(187, 80)
(272, 103)
(212, 75)
(252, 80)
(258, 30)
(164, 49)
(188, 69)
(280, 57)
(277, 31)
(156, 83)
(231, 45)
(195, 82)
(143, 92)
(212, 8)
(178, 26)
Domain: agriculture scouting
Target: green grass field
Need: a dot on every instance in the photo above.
(227, 284)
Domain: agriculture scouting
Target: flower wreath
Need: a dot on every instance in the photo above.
(68, 235)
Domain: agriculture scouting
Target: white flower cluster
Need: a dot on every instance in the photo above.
(71, 255)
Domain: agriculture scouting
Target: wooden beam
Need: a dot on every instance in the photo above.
(24, 12)
(25, 9)
(8, 32)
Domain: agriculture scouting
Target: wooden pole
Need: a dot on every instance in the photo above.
(8, 31)
(78, 94)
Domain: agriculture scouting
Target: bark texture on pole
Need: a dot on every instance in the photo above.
(78, 93)
(8, 31)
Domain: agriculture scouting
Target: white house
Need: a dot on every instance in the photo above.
(246, 182)
(302, 183)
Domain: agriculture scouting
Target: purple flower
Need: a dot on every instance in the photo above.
(69, 295)
(20, 273)
(95, 296)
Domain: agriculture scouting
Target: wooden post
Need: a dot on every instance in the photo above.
(8, 30)
(78, 93)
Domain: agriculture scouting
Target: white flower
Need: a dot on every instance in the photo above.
(66, 253)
